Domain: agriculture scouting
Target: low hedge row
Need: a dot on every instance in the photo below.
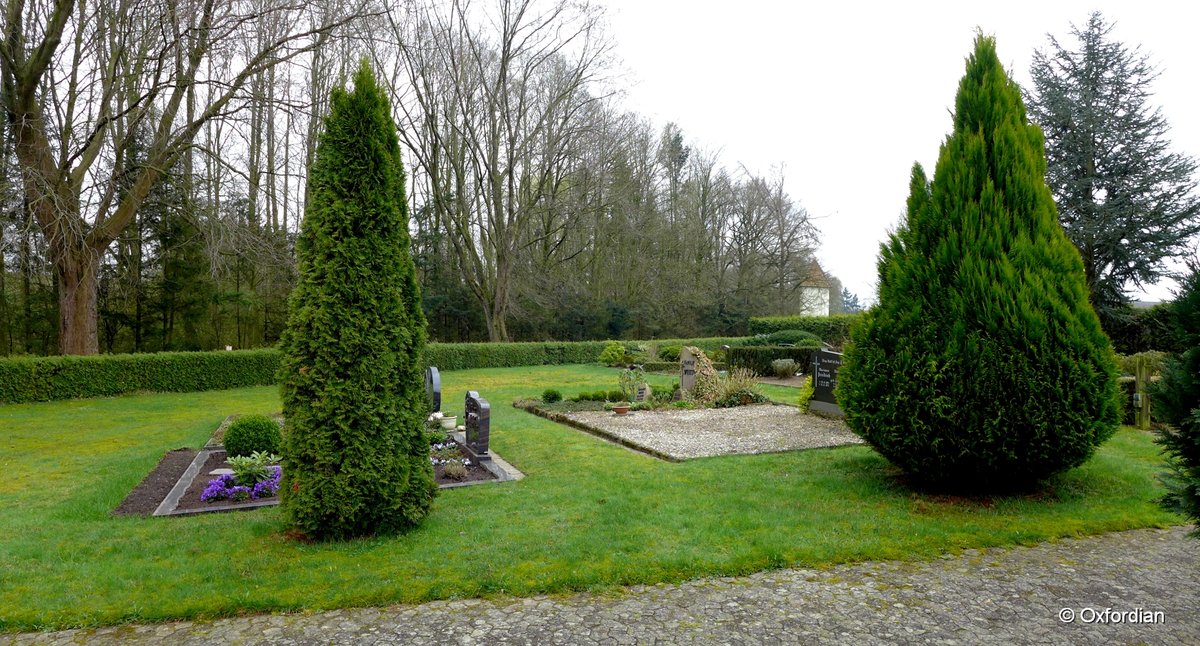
(27, 379)
(833, 329)
(759, 358)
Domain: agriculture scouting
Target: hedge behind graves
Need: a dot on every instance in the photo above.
(759, 358)
(47, 378)
(833, 329)
(28, 379)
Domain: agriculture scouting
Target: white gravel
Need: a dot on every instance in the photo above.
(684, 434)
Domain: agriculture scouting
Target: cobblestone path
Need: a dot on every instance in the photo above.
(994, 596)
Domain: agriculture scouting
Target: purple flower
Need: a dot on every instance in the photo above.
(226, 488)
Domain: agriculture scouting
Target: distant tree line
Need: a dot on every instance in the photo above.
(163, 188)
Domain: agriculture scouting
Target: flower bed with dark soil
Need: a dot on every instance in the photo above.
(146, 498)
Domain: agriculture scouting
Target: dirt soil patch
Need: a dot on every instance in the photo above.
(154, 488)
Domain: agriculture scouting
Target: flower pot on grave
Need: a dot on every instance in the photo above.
(448, 423)
(620, 409)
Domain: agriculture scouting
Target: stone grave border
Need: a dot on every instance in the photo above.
(503, 471)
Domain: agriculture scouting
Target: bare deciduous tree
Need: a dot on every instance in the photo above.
(81, 82)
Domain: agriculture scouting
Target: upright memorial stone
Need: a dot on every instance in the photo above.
(433, 389)
(479, 423)
(824, 374)
(687, 370)
(643, 392)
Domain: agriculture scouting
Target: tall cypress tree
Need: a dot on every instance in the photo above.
(983, 366)
(355, 461)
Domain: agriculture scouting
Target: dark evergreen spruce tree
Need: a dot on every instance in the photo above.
(355, 461)
(983, 366)
(1176, 401)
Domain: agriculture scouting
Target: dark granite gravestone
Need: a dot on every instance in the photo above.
(479, 425)
(687, 370)
(824, 374)
(433, 389)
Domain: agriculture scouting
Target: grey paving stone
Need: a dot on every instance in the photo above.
(995, 596)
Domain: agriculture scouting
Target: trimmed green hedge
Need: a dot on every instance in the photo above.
(833, 329)
(49, 378)
(46, 378)
(759, 358)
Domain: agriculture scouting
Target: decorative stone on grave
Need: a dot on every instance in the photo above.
(825, 367)
(642, 393)
(687, 370)
(479, 422)
(433, 389)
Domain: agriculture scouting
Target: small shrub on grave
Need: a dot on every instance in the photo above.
(785, 368)
(615, 396)
(628, 381)
(454, 470)
(613, 354)
(252, 469)
(551, 396)
(251, 434)
(806, 393)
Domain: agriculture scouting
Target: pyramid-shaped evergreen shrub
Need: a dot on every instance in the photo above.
(355, 461)
(983, 366)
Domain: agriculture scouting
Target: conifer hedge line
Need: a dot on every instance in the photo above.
(833, 329)
(27, 379)
(759, 358)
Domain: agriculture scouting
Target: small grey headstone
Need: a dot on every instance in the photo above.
(687, 370)
(479, 422)
(643, 392)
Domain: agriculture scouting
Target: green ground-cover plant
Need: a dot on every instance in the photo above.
(588, 515)
(983, 366)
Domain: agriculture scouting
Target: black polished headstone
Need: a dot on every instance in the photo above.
(479, 422)
(433, 389)
(825, 367)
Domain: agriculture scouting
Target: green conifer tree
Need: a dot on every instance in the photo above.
(355, 461)
(983, 366)
(1176, 401)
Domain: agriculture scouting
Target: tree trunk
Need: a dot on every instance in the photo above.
(77, 289)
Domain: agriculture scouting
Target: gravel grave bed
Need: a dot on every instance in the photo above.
(700, 433)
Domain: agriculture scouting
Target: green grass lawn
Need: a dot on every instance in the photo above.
(588, 514)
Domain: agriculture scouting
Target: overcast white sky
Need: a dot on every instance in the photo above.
(847, 95)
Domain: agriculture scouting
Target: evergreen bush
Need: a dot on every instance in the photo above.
(252, 434)
(794, 337)
(355, 458)
(1177, 402)
(983, 366)
(613, 354)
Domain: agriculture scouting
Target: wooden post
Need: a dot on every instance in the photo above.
(1142, 412)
